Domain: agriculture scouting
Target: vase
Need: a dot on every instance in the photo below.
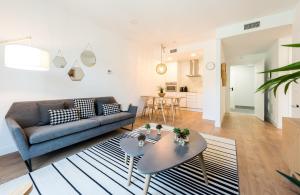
(148, 131)
(158, 131)
(181, 141)
(176, 137)
(161, 94)
(141, 143)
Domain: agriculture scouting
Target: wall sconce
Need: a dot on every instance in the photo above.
(26, 58)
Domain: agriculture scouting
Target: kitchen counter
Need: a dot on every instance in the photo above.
(189, 100)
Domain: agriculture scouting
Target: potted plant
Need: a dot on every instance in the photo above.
(292, 74)
(148, 128)
(158, 128)
(182, 136)
(176, 131)
(141, 139)
(293, 179)
(161, 92)
(286, 79)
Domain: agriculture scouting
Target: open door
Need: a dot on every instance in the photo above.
(259, 98)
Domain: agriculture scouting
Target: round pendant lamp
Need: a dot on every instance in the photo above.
(161, 68)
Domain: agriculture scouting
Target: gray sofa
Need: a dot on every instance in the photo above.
(33, 140)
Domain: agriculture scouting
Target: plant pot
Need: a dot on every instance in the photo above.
(158, 131)
(141, 143)
(148, 131)
(181, 141)
(161, 94)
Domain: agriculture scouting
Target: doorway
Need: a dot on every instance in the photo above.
(242, 88)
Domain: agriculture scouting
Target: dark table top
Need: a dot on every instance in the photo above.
(167, 153)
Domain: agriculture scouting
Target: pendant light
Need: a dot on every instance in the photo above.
(161, 68)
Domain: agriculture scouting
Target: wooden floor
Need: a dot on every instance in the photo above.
(259, 149)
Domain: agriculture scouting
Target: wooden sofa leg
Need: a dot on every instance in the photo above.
(28, 165)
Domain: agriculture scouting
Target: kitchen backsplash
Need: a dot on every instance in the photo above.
(194, 84)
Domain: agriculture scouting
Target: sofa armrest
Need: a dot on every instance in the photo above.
(20, 137)
(133, 109)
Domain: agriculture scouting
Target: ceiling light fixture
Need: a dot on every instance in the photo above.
(161, 68)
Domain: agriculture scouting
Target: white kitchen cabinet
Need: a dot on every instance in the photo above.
(189, 100)
(194, 101)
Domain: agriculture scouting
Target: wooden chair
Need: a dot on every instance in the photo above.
(148, 106)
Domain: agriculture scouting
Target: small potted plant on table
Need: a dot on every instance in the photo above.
(148, 128)
(158, 128)
(181, 136)
(161, 92)
(141, 139)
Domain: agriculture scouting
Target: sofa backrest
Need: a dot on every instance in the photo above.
(27, 114)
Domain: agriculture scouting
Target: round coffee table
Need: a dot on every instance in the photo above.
(132, 149)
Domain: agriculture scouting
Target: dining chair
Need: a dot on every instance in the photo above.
(148, 106)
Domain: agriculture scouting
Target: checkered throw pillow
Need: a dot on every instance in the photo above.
(63, 116)
(109, 109)
(86, 107)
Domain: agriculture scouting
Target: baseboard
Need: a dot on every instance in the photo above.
(7, 149)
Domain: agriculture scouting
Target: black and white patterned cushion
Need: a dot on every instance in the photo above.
(63, 116)
(109, 109)
(86, 107)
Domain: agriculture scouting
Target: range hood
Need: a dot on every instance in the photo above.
(194, 68)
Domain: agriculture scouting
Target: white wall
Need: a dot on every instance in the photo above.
(279, 106)
(296, 57)
(52, 28)
(272, 102)
(242, 80)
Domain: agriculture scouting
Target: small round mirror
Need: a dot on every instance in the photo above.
(88, 58)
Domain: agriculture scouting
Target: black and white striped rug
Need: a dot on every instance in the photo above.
(101, 170)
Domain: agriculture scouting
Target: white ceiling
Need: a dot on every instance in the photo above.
(235, 48)
(156, 21)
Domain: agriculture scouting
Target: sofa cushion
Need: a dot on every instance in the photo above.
(38, 134)
(44, 107)
(104, 120)
(109, 109)
(63, 116)
(99, 104)
(86, 107)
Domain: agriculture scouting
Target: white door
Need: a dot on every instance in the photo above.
(233, 88)
(259, 98)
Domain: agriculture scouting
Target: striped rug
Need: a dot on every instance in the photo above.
(101, 170)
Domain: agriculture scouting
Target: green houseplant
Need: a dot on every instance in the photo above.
(182, 136)
(161, 91)
(292, 75)
(141, 138)
(148, 128)
(285, 79)
(159, 127)
(293, 179)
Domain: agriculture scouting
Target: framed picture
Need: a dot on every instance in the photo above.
(224, 74)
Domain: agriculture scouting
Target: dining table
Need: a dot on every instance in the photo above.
(161, 100)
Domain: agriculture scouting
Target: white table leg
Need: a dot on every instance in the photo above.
(173, 112)
(163, 112)
(201, 159)
(147, 182)
(130, 169)
(126, 159)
